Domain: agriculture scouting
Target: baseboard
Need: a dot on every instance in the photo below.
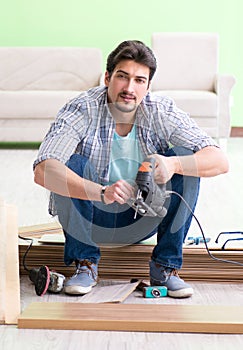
(236, 131)
(19, 145)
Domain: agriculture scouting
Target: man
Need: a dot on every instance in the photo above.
(90, 157)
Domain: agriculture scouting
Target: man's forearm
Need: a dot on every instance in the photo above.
(56, 177)
(208, 162)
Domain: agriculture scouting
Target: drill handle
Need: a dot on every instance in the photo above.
(147, 166)
(145, 176)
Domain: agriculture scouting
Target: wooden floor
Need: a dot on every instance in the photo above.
(219, 294)
(205, 294)
(230, 294)
(219, 209)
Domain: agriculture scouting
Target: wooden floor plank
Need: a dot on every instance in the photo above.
(134, 317)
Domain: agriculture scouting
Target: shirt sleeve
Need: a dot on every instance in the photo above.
(63, 136)
(182, 130)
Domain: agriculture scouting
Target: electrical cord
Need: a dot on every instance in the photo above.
(27, 250)
(203, 235)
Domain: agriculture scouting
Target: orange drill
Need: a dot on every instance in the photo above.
(150, 197)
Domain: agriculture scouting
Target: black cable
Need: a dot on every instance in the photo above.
(27, 250)
(203, 235)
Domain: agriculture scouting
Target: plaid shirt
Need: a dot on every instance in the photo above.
(85, 126)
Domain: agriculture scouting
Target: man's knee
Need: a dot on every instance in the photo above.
(77, 163)
(178, 151)
(82, 166)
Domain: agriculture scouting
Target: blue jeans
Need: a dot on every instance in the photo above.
(87, 225)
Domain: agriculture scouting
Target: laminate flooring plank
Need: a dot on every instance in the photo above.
(134, 317)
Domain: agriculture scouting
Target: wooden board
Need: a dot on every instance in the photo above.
(9, 264)
(39, 230)
(113, 293)
(134, 317)
(2, 259)
(12, 293)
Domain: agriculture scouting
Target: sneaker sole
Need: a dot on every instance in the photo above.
(181, 293)
(78, 290)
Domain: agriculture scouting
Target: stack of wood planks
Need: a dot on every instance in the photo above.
(131, 261)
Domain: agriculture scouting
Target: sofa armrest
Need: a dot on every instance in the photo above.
(223, 86)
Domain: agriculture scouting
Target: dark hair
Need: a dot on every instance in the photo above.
(132, 50)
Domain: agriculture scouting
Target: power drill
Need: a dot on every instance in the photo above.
(150, 197)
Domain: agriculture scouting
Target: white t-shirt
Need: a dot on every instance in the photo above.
(126, 157)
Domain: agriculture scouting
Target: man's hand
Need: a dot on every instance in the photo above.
(207, 162)
(58, 178)
(119, 192)
(165, 168)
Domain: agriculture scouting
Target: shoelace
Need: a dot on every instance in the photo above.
(88, 264)
(174, 272)
(169, 272)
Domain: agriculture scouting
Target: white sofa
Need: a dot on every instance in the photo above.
(188, 72)
(35, 82)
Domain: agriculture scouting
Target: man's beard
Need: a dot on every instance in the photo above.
(125, 107)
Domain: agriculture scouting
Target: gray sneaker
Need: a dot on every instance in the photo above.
(83, 280)
(168, 277)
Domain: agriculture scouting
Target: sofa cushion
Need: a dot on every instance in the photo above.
(33, 104)
(24, 130)
(186, 61)
(196, 103)
(49, 68)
